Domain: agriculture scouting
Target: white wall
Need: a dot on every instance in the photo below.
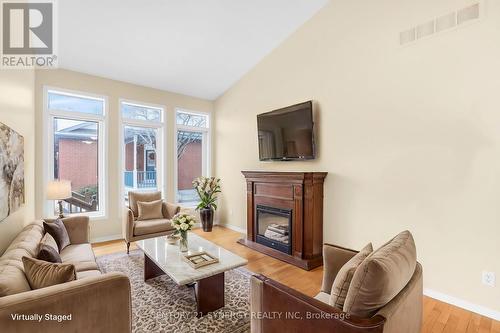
(410, 136)
(17, 111)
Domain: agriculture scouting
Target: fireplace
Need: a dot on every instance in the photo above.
(285, 216)
(274, 228)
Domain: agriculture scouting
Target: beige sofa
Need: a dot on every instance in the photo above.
(96, 302)
(134, 230)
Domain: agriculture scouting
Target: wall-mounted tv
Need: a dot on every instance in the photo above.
(287, 133)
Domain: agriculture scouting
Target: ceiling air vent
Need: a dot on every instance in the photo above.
(467, 14)
(439, 24)
(446, 22)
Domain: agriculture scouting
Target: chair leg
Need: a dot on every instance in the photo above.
(128, 247)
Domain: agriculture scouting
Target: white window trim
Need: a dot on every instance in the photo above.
(160, 142)
(48, 147)
(206, 149)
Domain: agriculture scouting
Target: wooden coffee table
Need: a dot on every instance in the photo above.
(162, 258)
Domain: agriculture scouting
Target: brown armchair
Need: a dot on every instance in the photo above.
(301, 313)
(134, 230)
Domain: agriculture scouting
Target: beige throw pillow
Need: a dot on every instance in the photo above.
(150, 210)
(48, 249)
(344, 276)
(41, 274)
(49, 241)
(381, 276)
(135, 197)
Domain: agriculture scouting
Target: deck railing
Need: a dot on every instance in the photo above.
(145, 179)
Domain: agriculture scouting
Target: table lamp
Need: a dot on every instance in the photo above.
(59, 190)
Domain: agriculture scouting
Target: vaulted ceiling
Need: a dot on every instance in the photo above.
(194, 47)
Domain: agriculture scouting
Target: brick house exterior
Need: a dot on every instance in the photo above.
(77, 162)
(189, 166)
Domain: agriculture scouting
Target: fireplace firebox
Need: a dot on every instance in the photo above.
(273, 228)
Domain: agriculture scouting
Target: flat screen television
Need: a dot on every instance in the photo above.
(287, 133)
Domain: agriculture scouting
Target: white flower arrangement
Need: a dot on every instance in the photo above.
(183, 222)
(207, 189)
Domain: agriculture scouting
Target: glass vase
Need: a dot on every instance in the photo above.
(183, 242)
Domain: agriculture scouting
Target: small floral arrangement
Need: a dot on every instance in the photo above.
(183, 223)
(207, 189)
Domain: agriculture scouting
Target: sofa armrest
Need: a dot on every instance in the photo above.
(169, 210)
(334, 257)
(277, 308)
(78, 228)
(128, 224)
(96, 304)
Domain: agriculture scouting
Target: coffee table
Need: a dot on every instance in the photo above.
(162, 258)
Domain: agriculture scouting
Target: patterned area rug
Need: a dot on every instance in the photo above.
(160, 305)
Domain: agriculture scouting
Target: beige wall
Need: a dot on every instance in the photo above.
(114, 90)
(410, 136)
(17, 111)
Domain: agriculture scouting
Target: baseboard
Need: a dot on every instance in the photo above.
(233, 227)
(483, 311)
(106, 238)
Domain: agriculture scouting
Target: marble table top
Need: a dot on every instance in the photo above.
(169, 258)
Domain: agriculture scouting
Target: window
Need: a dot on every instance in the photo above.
(142, 129)
(192, 137)
(75, 131)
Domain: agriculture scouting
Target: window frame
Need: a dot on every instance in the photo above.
(160, 126)
(206, 149)
(49, 115)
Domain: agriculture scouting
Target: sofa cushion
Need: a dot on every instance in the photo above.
(344, 276)
(28, 239)
(83, 266)
(77, 253)
(12, 278)
(150, 210)
(57, 230)
(381, 276)
(41, 274)
(323, 297)
(151, 226)
(85, 274)
(134, 197)
(16, 254)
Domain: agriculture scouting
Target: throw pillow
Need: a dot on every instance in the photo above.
(381, 276)
(41, 274)
(48, 250)
(344, 276)
(57, 230)
(135, 197)
(150, 210)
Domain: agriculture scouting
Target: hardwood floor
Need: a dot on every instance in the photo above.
(439, 317)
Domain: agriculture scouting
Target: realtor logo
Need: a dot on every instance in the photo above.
(28, 34)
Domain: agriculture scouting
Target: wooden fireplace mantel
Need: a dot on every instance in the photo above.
(300, 192)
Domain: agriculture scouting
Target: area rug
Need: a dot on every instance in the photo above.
(160, 305)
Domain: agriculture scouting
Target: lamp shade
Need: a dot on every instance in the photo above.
(59, 190)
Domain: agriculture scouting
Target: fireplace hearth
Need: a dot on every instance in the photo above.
(285, 216)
